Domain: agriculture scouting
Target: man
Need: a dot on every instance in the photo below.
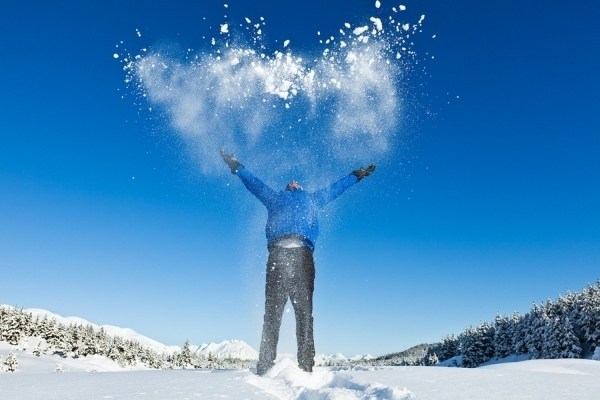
(292, 229)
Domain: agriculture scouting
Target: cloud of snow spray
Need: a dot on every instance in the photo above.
(284, 111)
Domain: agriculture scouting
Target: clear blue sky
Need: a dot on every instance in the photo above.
(485, 201)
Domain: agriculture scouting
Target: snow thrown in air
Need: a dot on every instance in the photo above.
(237, 94)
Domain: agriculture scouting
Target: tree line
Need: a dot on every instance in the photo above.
(568, 327)
(80, 340)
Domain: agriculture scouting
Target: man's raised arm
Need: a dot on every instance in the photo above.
(331, 192)
(254, 185)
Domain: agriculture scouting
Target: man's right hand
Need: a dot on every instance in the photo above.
(231, 161)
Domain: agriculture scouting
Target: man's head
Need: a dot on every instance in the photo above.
(293, 185)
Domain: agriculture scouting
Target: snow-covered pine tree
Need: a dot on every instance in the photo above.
(27, 324)
(56, 335)
(535, 328)
(71, 343)
(199, 360)
(476, 345)
(432, 359)
(503, 337)
(590, 321)
(185, 357)
(448, 347)
(102, 342)
(560, 340)
(518, 332)
(3, 323)
(569, 305)
(44, 329)
(11, 364)
(38, 349)
(551, 343)
(89, 341)
(115, 350)
(570, 343)
(12, 327)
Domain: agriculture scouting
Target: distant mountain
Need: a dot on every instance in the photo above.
(228, 349)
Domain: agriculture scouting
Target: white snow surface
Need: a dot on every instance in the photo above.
(100, 378)
(36, 379)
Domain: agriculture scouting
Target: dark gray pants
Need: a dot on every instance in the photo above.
(290, 274)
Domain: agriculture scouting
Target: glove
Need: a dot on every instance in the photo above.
(231, 161)
(362, 172)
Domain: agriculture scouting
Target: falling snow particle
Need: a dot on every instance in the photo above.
(377, 23)
(115, 55)
(285, 44)
(224, 28)
(402, 8)
(360, 30)
(377, 4)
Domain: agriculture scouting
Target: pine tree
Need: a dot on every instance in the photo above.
(503, 337)
(3, 323)
(102, 342)
(38, 349)
(11, 364)
(535, 329)
(590, 321)
(71, 343)
(432, 359)
(12, 332)
(448, 347)
(115, 350)
(570, 346)
(89, 341)
(518, 331)
(476, 345)
(185, 357)
(44, 328)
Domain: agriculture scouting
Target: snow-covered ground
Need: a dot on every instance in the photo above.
(535, 379)
(49, 377)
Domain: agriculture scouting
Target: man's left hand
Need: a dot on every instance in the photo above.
(362, 172)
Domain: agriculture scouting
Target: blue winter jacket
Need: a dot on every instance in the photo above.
(293, 212)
